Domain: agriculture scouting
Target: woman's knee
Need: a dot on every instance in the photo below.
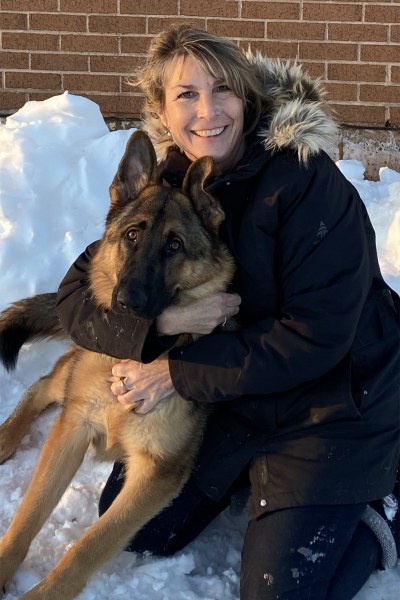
(294, 553)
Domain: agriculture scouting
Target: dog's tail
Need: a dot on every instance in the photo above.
(27, 320)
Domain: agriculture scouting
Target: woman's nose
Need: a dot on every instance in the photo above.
(207, 106)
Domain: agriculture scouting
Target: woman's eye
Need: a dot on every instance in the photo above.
(188, 94)
(175, 244)
(131, 235)
(222, 88)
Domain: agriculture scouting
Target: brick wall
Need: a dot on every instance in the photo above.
(88, 47)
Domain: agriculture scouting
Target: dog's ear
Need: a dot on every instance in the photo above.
(205, 205)
(137, 169)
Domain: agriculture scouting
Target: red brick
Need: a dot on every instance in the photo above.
(30, 5)
(13, 21)
(359, 114)
(270, 10)
(395, 75)
(43, 22)
(135, 44)
(288, 30)
(11, 101)
(327, 51)
(236, 29)
(341, 91)
(89, 83)
(357, 33)
(114, 105)
(30, 41)
(395, 33)
(356, 72)
(14, 60)
(149, 7)
(115, 64)
(394, 118)
(39, 81)
(199, 8)
(324, 11)
(89, 43)
(383, 13)
(59, 62)
(379, 93)
(105, 24)
(379, 53)
(85, 7)
(273, 27)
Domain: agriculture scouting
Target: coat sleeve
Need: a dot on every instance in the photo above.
(116, 333)
(322, 270)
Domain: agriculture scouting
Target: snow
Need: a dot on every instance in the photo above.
(57, 159)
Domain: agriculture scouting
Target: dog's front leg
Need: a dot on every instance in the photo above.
(60, 458)
(148, 489)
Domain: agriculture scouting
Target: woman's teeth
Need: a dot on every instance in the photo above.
(209, 132)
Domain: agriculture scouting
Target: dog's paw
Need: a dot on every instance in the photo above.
(3, 584)
(8, 566)
(3, 580)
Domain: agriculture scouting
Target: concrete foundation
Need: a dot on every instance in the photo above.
(375, 148)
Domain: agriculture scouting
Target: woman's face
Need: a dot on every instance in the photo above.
(204, 117)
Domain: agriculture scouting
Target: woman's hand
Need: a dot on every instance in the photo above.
(141, 387)
(201, 317)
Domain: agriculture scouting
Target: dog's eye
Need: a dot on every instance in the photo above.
(131, 235)
(175, 244)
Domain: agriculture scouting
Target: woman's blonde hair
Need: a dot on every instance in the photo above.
(219, 56)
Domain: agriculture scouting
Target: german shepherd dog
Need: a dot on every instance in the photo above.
(160, 247)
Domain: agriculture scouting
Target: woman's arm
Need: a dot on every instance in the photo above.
(116, 333)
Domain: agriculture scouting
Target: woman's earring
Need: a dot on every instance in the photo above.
(167, 131)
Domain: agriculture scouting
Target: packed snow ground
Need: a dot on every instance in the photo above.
(57, 159)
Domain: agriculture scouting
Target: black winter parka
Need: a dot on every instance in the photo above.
(307, 392)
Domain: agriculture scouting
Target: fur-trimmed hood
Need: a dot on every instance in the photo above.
(298, 117)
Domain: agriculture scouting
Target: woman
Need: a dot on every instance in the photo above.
(305, 397)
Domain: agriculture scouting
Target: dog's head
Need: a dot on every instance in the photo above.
(161, 244)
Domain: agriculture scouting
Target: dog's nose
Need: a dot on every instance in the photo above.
(135, 298)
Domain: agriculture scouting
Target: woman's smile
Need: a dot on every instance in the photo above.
(209, 132)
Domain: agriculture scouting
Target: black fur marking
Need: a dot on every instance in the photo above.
(11, 341)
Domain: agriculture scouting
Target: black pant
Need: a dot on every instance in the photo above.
(313, 553)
